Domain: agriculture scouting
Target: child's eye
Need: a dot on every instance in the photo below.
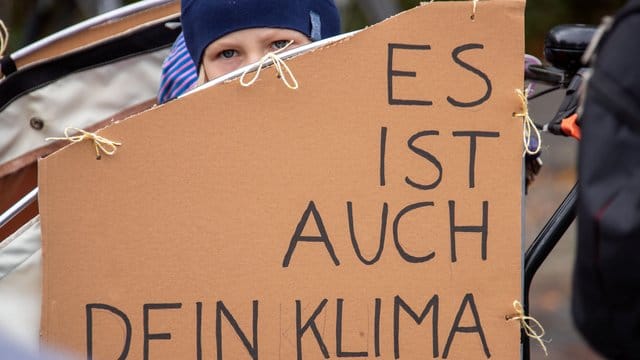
(279, 44)
(228, 54)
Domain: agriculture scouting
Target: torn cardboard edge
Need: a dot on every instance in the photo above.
(310, 48)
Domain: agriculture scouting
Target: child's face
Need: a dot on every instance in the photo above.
(244, 47)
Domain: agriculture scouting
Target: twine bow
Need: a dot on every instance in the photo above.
(529, 127)
(281, 67)
(101, 144)
(528, 329)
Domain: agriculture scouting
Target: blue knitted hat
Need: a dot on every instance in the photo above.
(204, 21)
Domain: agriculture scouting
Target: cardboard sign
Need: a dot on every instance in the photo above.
(375, 212)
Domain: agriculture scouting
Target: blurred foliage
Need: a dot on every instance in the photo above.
(542, 15)
(28, 21)
(352, 17)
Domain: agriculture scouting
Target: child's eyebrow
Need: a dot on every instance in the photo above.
(276, 34)
(222, 44)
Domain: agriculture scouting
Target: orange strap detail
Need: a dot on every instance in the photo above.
(570, 127)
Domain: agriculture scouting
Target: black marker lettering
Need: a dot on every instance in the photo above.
(198, 330)
(383, 149)
(322, 237)
(428, 156)
(376, 326)
(383, 230)
(252, 347)
(396, 238)
(391, 73)
(146, 308)
(399, 303)
(455, 55)
(127, 337)
(473, 135)
(311, 323)
(477, 328)
(339, 351)
(482, 229)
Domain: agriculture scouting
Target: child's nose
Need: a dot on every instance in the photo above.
(255, 56)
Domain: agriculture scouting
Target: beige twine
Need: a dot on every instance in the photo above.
(4, 42)
(4, 38)
(528, 329)
(281, 67)
(101, 144)
(475, 6)
(529, 127)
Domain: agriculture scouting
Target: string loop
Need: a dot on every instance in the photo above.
(281, 68)
(528, 329)
(4, 38)
(529, 127)
(101, 144)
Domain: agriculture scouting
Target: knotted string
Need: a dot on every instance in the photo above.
(475, 5)
(101, 144)
(529, 127)
(4, 38)
(281, 68)
(528, 329)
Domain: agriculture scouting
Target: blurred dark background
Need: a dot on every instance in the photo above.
(30, 20)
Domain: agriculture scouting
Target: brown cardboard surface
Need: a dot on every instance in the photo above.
(221, 227)
(19, 176)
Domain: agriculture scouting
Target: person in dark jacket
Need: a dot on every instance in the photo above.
(606, 287)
